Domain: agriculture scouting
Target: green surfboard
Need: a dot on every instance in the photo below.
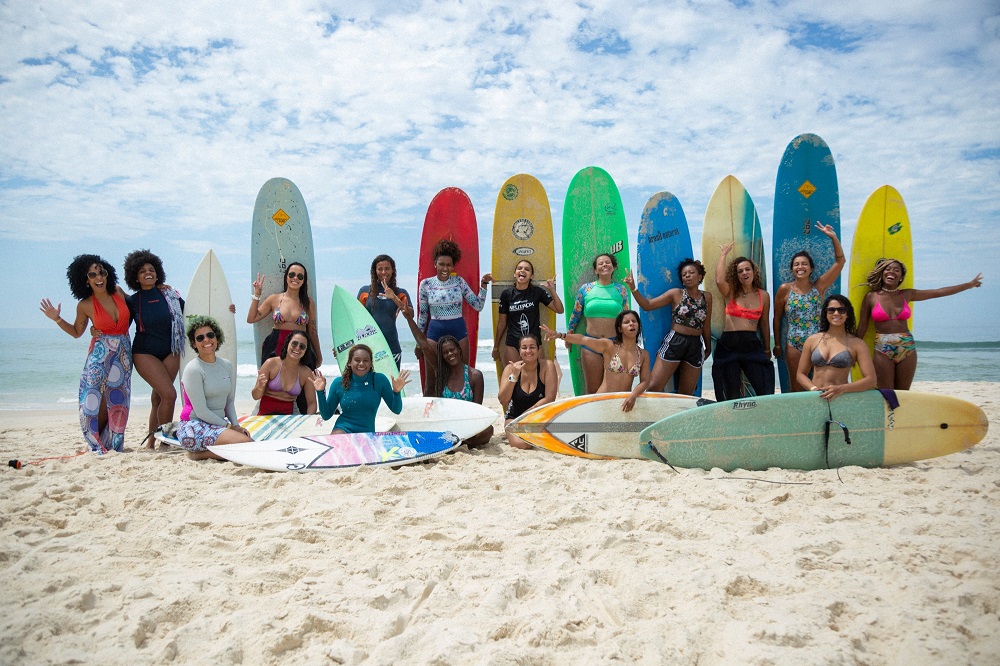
(351, 324)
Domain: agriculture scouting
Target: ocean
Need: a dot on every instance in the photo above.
(40, 368)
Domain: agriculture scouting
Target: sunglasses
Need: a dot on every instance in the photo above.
(295, 344)
(210, 335)
(93, 274)
(292, 275)
(836, 310)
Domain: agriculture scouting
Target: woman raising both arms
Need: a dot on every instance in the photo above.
(520, 311)
(525, 384)
(359, 392)
(888, 307)
(831, 353)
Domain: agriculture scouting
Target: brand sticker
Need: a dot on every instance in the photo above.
(280, 218)
(524, 251)
(744, 404)
(806, 189)
(896, 228)
(365, 332)
(523, 229)
(344, 347)
(510, 192)
(580, 443)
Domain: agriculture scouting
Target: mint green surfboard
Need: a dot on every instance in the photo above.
(593, 222)
(351, 324)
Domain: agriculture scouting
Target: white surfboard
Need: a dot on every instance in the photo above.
(209, 295)
(463, 418)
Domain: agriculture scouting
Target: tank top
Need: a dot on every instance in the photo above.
(520, 402)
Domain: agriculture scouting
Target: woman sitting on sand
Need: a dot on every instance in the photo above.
(624, 359)
(359, 393)
(600, 302)
(208, 387)
(690, 335)
(106, 384)
(525, 384)
(831, 353)
(283, 378)
(520, 312)
(895, 351)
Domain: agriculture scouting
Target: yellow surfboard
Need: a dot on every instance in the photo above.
(883, 231)
(522, 229)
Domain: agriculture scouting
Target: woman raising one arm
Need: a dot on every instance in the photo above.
(525, 384)
(291, 310)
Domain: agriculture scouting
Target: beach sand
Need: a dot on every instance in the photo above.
(494, 556)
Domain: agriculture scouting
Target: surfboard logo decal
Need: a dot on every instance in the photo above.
(366, 332)
(806, 189)
(744, 404)
(662, 235)
(523, 229)
(895, 229)
(291, 450)
(343, 347)
(580, 443)
(524, 251)
(510, 192)
(380, 355)
(610, 208)
(617, 247)
(280, 218)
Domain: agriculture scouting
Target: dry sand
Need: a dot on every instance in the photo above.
(495, 556)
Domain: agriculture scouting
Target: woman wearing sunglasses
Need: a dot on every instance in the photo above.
(283, 378)
(831, 353)
(106, 384)
(291, 310)
(208, 388)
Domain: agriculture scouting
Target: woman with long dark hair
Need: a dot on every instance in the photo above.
(525, 384)
(291, 310)
(831, 353)
(283, 378)
(520, 311)
(383, 309)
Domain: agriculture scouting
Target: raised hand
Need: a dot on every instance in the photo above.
(318, 380)
(399, 382)
(50, 311)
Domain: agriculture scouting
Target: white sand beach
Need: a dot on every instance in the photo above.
(494, 556)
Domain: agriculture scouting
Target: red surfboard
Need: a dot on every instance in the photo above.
(452, 216)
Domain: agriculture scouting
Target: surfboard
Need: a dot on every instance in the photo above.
(593, 222)
(805, 193)
(339, 452)
(451, 215)
(789, 430)
(283, 426)
(464, 419)
(280, 235)
(883, 231)
(522, 229)
(663, 242)
(209, 295)
(594, 426)
(351, 324)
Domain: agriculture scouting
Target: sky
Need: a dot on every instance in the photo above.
(134, 125)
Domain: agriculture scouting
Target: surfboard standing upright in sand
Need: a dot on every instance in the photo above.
(209, 295)
(351, 324)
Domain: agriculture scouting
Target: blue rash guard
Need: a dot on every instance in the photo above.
(359, 403)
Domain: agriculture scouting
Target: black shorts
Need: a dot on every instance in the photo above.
(679, 347)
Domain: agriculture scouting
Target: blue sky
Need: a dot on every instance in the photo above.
(154, 126)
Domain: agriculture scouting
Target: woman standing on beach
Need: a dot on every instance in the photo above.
(624, 360)
(888, 307)
(800, 299)
(382, 309)
(208, 417)
(830, 354)
(525, 384)
(739, 349)
(270, 387)
(520, 311)
(690, 335)
(440, 297)
(106, 384)
(600, 301)
(359, 393)
(291, 310)
(157, 310)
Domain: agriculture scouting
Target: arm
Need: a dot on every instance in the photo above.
(500, 335)
(764, 324)
(506, 388)
(305, 377)
(75, 329)
(706, 329)
(423, 307)
(477, 301)
(927, 294)
(428, 347)
(194, 386)
(551, 378)
(640, 388)
(865, 316)
(476, 379)
(327, 406)
(259, 308)
(720, 269)
(577, 314)
(556, 304)
(263, 376)
(312, 330)
(805, 362)
(666, 298)
(390, 391)
(780, 301)
(230, 410)
(598, 344)
(825, 280)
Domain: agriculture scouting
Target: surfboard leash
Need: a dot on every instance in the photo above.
(652, 447)
(826, 437)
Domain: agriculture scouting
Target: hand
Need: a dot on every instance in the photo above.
(232, 308)
(49, 311)
(418, 351)
(518, 366)
(549, 333)
(827, 230)
(976, 281)
(629, 280)
(726, 248)
(94, 331)
(550, 284)
(318, 380)
(831, 392)
(487, 278)
(496, 354)
(258, 284)
(407, 311)
(390, 294)
(261, 381)
(777, 351)
(628, 404)
(399, 382)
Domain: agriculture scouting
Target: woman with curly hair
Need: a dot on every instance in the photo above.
(106, 383)
(382, 309)
(208, 386)
(440, 297)
(600, 301)
(157, 310)
(739, 350)
(359, 393)
(888, 307)
(831, 353)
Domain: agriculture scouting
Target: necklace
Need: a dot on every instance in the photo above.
(886, 290)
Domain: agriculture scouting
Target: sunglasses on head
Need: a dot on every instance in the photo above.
(93, 274)
(292, 275)
(836, 310)
(295, 344)
(210, 335)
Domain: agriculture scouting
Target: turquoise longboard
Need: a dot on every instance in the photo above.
(593, 222)
(805, 193)
(663, 242)
(280, 235)
(789, 430)
(351, 324)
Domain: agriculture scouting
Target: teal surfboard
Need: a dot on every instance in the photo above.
(351, 324)
(663, 242)
(805, 193)
(593, 222)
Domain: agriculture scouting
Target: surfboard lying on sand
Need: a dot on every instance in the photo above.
(460, 417)
(594, 426)
(209, 295)
(281, 426)
(789, 431)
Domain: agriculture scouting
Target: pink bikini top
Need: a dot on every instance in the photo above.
(880, 315)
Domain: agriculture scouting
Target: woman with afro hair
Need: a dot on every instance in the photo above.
(106, 383)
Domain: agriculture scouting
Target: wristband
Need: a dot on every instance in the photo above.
(511, 379)
(255, 297)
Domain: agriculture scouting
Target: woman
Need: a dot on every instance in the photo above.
(600, 301)
(690, 335)
(799, 301)
(157, 310)
(382, 309)
(739, 349)
(831, 353)
(526, 383)
(622, 356)
(283, 378)
(441, 295)
(888, 307)
(106, 384)
(291, 310)
(520, 313)
(208, 387)
(359, 393)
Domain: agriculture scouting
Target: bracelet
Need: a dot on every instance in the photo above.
(511, 379)
(255, 297)
(839, 256)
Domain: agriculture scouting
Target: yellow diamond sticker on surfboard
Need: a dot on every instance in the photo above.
(806, 189)
(280, 218)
